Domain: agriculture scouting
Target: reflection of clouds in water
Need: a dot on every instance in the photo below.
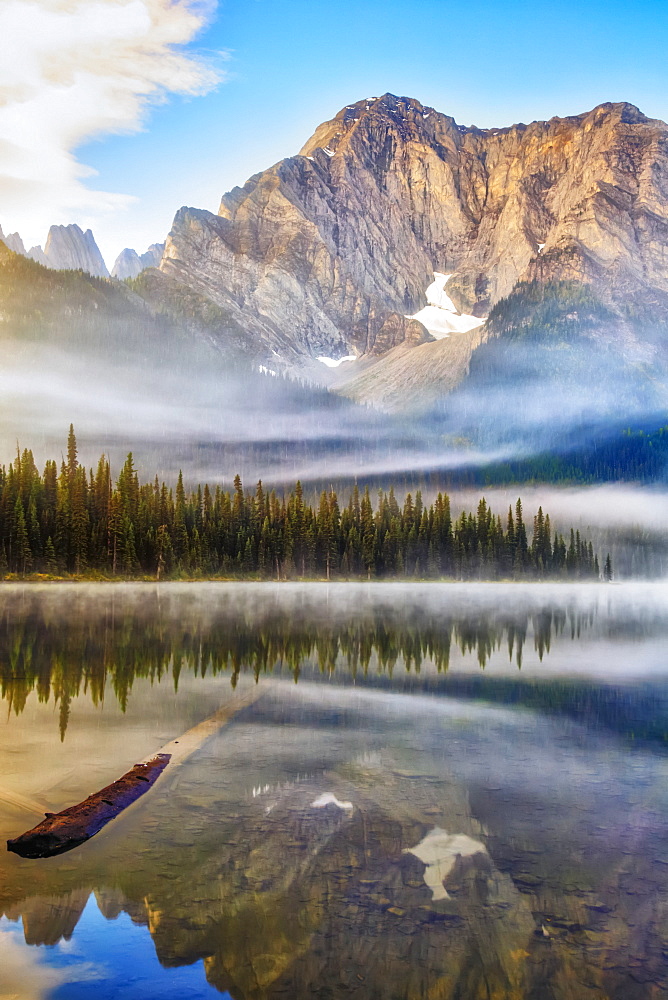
(438, 851)
(328, 798)
(24, 974)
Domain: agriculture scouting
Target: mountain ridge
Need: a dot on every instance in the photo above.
(66, 248)
(330, 252)
(370, 261)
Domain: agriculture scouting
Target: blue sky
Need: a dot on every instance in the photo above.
(293, 64)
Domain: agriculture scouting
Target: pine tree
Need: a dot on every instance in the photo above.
(21, 556)
(521, 544)
(79, 520)
(368, 533)
(50, 557)
(72, 461)
(76, 520)
(181, 540)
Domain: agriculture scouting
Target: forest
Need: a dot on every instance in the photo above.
(70, 521)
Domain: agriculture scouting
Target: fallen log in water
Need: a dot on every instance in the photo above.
(62, 831)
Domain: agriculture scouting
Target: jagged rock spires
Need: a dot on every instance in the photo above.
(36, 253)
(327, 253)
(68, 248)
(129, 263)
(13, 241)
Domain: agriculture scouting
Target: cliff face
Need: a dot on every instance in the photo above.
(327, 252)
(38, 255)
(13, 241)
(282, 281)
(68, 248)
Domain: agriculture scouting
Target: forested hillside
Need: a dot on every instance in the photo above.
(99, 318)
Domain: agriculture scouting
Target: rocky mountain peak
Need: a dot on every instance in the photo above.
(13, 241)
(38, 255)
(331, 252)
(129, 263)
(69, 248)
(405, 116)
(621, 111)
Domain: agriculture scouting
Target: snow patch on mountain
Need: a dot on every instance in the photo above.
(335, 362)
(440, 315)
(328, 798)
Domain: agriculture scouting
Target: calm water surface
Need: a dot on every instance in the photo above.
(453, 792)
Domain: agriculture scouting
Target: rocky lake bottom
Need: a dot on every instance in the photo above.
(452, 791)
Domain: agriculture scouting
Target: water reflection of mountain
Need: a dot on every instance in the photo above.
(638, 713)
(558, 894)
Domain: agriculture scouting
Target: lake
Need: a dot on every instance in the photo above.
(443, 791)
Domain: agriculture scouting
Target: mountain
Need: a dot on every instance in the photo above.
(13, 241)
(129, 264)
(67, 247)
(501, 291)
(156, 365)
(345, 250)
(38, 255)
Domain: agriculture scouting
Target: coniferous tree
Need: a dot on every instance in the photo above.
(73, 521)
(20, 554)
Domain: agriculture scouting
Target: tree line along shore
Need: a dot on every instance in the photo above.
(70, 521)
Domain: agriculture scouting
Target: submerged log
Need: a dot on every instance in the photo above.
(60, 832)
(65, 830)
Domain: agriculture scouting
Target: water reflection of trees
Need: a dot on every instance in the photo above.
(106, 644)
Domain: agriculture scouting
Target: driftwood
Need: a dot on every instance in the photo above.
(60, 832)
(63, 831)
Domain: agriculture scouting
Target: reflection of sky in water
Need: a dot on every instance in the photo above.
(249, 856)
(328, 832)
(103, 960)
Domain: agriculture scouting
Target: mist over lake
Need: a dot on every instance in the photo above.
(333, 500)
(471, 773)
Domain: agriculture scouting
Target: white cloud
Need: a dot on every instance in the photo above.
(74, 69)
